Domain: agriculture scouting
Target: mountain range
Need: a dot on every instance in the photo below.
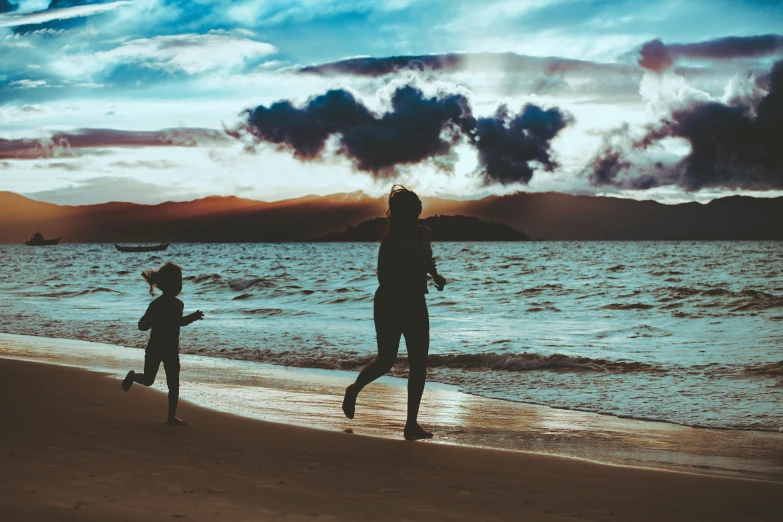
(549, 216)
(445, 228)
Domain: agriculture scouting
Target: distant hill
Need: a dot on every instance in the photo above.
(549, 215)
(444, 228)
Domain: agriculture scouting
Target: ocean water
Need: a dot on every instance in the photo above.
(683, 332)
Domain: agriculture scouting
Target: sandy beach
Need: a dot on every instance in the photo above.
(77, 448)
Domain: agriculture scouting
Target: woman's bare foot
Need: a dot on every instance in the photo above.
(416, 432)
(175, 421)
(127, 382)
(349, 401)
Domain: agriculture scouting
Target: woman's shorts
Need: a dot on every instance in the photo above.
(397, 315)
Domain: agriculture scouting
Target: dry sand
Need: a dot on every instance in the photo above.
(76, 448)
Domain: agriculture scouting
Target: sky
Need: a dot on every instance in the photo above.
(155, 100)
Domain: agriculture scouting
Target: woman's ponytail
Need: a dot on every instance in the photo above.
(151, 277)
(167, 277)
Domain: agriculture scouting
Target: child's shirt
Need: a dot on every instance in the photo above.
(164, 317)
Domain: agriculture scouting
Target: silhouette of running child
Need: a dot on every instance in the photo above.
(164, 318)
(404, 260)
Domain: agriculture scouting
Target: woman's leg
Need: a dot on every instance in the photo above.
(388, 346)
(387, 333)
(417, 342)
(418, 349)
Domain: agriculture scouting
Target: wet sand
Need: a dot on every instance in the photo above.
(312, 398)
(76, 448)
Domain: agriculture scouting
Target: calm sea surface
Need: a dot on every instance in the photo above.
(687, 332)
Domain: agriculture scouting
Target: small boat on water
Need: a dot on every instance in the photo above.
(142, 248)
(38, 240)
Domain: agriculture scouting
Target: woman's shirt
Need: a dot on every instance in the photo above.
(164, 317)
(403, 263)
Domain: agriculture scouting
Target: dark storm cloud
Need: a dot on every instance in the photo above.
(6, 6)
(508, 144)
(305, 130)
(367, 66)
(657, 56)
(80, 141)
(606, 167)
(450, 62)
(732, 146)
(415, 129)
(731, 47)
(513, 73)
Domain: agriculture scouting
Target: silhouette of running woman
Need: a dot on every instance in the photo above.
(164, 318)
(404, 260)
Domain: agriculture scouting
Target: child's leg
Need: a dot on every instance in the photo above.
(171, 365)
(151, 365)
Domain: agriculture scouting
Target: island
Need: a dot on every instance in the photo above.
(444, 228)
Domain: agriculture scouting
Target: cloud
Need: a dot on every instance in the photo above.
(374, 67)
(49, 15)
(112, 188)
(77, 142)
(657, 56)
(507, 73)
(59, 4)
(144, 164)
(731, 146)
(27, 84)
(6, 6)
(508, 144)
(188, 53)
(455, 62)
(73, 167)
(415, 129)
(618, 156)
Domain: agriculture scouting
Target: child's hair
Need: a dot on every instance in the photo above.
(164, 277)
(402, 201)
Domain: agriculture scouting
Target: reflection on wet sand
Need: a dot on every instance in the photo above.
(313, 398)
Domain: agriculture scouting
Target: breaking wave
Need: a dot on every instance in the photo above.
(774, 369)
(519, 362)
(89, 291)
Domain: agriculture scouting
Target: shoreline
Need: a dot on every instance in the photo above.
(311, 398)
(430, 382)
(79, 449)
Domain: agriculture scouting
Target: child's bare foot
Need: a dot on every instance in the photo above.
(127, 382)
(416, 432)
(349, 401)
(175, 421)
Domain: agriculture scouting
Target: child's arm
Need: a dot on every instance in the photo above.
(145, 323)
(191, 318)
